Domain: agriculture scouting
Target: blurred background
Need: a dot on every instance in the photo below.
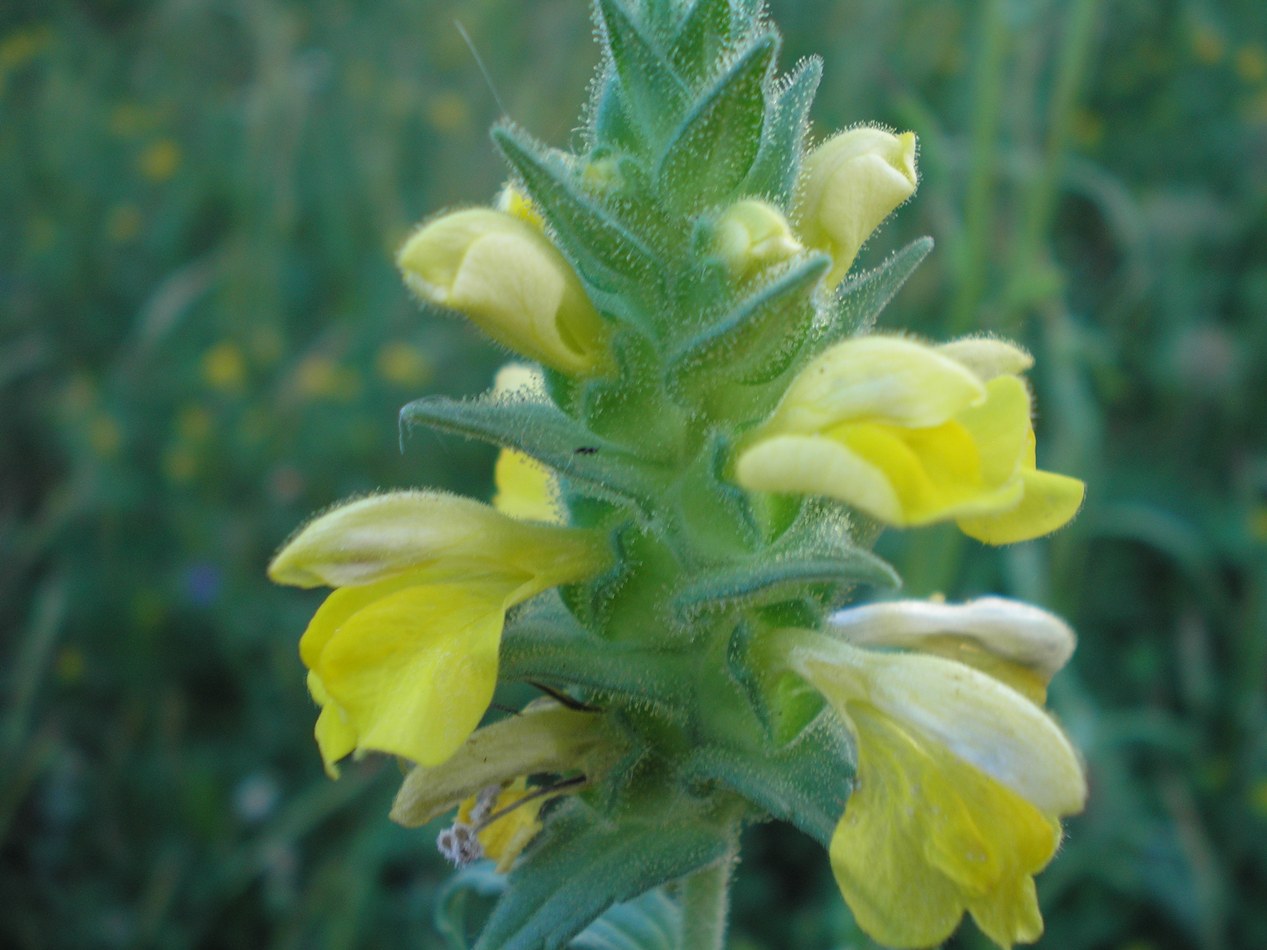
(203, 340)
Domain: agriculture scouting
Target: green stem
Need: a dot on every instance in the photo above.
(1070, 75)
(987, 98)
(706, 902)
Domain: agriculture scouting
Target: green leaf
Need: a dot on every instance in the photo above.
(775, 579)
(778, 161)
(656, 95)
(602, 248)
(817, 552)
(614, 127)
(711, 153)
(805, 781)
(761, 334)
(650, 922)
(584, 862)
(703, 37)
(543, 432)
(860, 299)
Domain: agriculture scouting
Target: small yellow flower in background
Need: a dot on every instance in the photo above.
(962, 778)
(224, 367)
(194, 423)
(1251, 63)
(848, 186)
(506, 276)
(1208, 44)
(104, 435)
(160, 160)
(179, 463)
(913, 434)
(403, 657)
(403, 364)
(751, 235)
(21, 46)
(318, 377)
(447, 111)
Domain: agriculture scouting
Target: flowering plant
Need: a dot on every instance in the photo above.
(693, 467)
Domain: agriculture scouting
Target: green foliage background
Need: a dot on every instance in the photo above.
(203, 340)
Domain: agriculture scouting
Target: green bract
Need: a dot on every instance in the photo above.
(687, 494)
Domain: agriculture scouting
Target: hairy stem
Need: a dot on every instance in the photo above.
(706, 901)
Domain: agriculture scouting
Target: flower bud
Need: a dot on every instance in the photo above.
(753, 234)
(505, 275)
(850, 184)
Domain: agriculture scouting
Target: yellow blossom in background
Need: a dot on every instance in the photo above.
(104, 435)
(318, 377)
(402, 364)
(913, 434)
(1208, 44)
(160, 160)
(224, 367)
(1251, 63)
(180, 464)
(194, 423)
(447, 111)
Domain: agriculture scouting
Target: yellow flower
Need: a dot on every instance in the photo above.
(913, 434)
(848, 186)
(751, 235)
(402, 658)
(505, 275)
(961, 778)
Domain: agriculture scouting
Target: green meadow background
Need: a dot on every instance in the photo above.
(203, 340)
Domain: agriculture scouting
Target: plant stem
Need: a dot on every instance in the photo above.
(706, 902)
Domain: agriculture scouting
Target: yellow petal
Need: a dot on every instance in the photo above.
(334, 734)
(434, 535)
(1011, 629)
(926, 836)
(1049, 502)
(936, 472)
(850, 184)
(877, 379)
(1000, 428)
(987, 357)
(815, 465)
(414, 671)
